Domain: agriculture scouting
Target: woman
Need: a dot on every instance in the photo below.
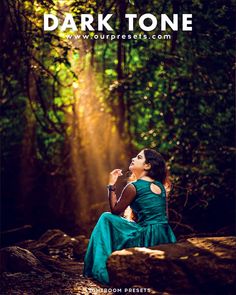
(147, 198)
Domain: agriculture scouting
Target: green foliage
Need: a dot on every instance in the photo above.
(179, 100)
(172, 95)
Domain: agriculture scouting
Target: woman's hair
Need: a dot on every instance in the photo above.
(158, 169)
(158, 172)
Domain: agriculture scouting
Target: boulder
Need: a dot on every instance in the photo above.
(32, 245)
(56, 238)
(57, 244)
(196, 265)
(16, 259)
(79, 248)
(62, 265)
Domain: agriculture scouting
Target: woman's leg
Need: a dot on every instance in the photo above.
(109, 234)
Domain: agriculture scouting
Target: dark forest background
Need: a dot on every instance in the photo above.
(73, 110)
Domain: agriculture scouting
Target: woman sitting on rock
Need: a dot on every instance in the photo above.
(147, 198)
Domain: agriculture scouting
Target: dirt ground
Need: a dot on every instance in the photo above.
(59, 283)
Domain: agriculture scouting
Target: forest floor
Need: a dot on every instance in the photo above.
(56, 268)
(54, 283)
(59, 283)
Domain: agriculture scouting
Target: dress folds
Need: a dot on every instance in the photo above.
(113, 232)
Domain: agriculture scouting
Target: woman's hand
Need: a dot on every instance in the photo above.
(114, 175)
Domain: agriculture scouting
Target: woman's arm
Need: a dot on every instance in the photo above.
(127, 196)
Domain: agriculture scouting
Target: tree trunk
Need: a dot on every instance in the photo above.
(119, 69)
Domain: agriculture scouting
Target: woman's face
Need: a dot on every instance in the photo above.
(138, 164)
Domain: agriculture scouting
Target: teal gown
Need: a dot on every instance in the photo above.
(113, 232)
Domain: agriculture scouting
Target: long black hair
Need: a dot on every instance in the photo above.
(158, 169)
(158, 172)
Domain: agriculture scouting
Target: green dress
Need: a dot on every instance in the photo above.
(113, 232)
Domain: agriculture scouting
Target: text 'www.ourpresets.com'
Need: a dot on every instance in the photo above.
(117, 37)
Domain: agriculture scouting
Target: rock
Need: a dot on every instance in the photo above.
(56, 238)
(62, 265)
(32, 245)
(57, 241)
(57, 245)
(80, 247)
(196, 265)
(16, 259)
